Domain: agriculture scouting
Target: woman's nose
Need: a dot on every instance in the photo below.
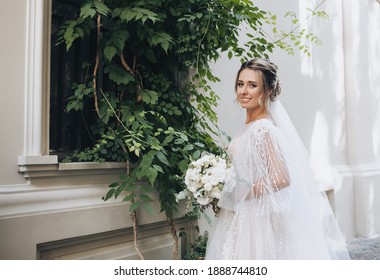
(243, 90)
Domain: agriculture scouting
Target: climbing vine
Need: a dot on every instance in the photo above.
(155, 104)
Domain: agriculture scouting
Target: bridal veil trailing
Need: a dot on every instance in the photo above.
(292, 220)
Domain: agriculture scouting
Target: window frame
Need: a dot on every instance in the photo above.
(36, 160)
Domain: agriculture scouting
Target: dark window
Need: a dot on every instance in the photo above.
(68, 131)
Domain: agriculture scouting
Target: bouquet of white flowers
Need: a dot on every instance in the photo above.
(204, 181)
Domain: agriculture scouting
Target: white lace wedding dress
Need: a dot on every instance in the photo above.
(271, 207)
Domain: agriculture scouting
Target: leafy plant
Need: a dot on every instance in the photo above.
(197, 250)
(155, 105)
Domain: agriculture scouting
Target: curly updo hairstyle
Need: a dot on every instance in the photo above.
(267, 74)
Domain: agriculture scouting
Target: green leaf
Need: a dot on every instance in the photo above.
(188, 147)
(145, 198)
(118, 74)
(230, 54)
(87, 11)
(110, 52)
(101, 8)
(179, 141)
(135, 13)
(165, 45)
(184, 137)
(196, 154)
(161, 157)
(183, 165)
(149, 97)
(109, 194)
(158, 168)
(113, 185)
(148, 208)
(120, 189)
(129, 197)
(134, 206)
(151, 174)
(130, 188)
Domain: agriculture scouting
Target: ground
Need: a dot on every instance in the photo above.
(364, 248)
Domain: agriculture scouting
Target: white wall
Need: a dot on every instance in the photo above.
(12, 89)
(362, 38)
(333, 100)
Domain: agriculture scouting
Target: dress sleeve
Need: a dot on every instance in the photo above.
(271, 172)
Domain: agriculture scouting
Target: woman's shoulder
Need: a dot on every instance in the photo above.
(262, 127)
(263, 124)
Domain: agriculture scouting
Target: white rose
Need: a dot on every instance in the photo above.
(190, 175)
(208, 187)
(221, 164)
(205, 179)
(214, 181)
(193, 188)
(219, 173)
(203, 200)
(216, 193)
(183, 194)
(201, 193)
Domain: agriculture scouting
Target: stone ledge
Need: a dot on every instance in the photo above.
(48, 166)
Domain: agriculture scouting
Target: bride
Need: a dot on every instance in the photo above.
(271, 207)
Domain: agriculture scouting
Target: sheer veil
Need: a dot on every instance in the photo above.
(327, 221)
(299, 216)
(284, 123)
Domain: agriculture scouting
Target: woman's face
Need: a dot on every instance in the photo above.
(249, 89)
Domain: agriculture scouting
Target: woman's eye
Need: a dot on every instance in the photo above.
(252, 85)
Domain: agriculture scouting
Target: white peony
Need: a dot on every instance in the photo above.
(193, 187)
(216, 193)
(182, 195)
(214, 181)
(208, 187)
(204, 200)
(205, 179)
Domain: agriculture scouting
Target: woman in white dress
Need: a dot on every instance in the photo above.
(271, 207)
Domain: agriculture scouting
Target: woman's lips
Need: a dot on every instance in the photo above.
(245, 99)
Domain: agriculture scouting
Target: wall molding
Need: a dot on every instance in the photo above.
(155, 242)
(20, 201)
(48, 166)
(360, 170)
(37, 93)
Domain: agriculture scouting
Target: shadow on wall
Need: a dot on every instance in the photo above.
(351, 111)
(333, 99)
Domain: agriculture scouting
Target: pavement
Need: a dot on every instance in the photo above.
(364, 248)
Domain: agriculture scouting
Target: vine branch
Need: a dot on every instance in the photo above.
(96, 67)
(299, 24)
(175, 239)
(134, 217)
(125, 64)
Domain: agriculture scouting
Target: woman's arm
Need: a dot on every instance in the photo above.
(276, 174)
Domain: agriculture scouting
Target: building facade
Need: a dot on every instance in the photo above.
(53, 210)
